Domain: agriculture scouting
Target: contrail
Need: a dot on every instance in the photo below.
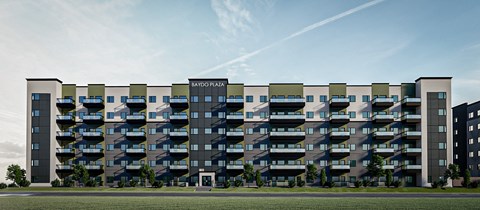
(291, 36)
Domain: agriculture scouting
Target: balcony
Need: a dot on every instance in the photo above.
(92, 119)
(135, 151)
(383, 135)
(287, 102)
(94, 167)
(382, 102)
(178, 167)
(92, 152)
(178, 151)
(235, 102)
(412, 151)
(339, 167)
(383, 118)
(62, 167)
(339, 118)
(388, 167)
(287, 150)
(411, 118)
(178, 135)
(412, 167)
(136, 119)
(235, 150)
(136, 103)
(133, 167)
(67, 152)
(93, 103)
(411, 102)
(384, 151)
(234, 167)
(65, 119)
(235, 119)
(339, 135)
(235, 135)
(92, 135)
(178, 102)
(179, 119)
(65, 136)
(65, 103)
(287, 135)
(288, 119)
(340, 151)
(287, 167)
(412, 135)
(135, 135)
(339, 102)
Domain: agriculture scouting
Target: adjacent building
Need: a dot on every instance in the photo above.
(466, 137)
(204, 131)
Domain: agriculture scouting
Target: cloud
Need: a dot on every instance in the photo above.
(234, 18)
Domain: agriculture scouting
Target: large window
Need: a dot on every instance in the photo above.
(152, 99)
(110, 99)
(249, 99)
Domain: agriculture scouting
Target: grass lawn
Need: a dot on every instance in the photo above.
(98, 189)
(233, 203)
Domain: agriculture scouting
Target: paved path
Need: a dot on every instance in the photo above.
(215, 194)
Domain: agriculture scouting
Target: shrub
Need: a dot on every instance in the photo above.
(358, 184)
(3, 185)
(55, 183)
(157, 184)
(435, 184)
(291, 183)
(121, 184)
(260, 183)
(24, 182)
(12, 185)
(91, 183)
(474, 184)
(238, 183)
(330, 184)
(300, 183)
(397, 183)
(68, 183)
(133, 183)
(467, 179)
(366, 183)
(226, 184)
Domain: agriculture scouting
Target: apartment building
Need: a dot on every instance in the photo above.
(204, 131)
(466, 137)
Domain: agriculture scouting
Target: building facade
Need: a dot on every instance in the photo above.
(466, 137)
(204, 131)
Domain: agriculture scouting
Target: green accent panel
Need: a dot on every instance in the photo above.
(339, 89)
(96, 90)
(381, 89)
(285, 89)
(138, 90)
(69, 90)
(180, 90)
(234, 89)
(408, 89)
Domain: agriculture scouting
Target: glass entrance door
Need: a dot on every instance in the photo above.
(206, 181)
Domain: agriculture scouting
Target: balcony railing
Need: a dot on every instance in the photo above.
(411, 118)
(235, 102)
(388, 167)
(65, 103)
(235, 134)
(178, 167)
(289, 102)
(287, 118)
(133, 167)
(178, 135)
(135, 135)
(178, 102)
(234, 167)
(339, 135)
(65, 151)
(287, 133)
(287, 150)
(178, 150)
(61, 167)
(92, 151)
(65, 119)
(178, 117)
(339, 167)
(412, 167)
(94, 167)
(135, 150)
(384, 150)
(65, 135)
(339, 102)
(412, 135)
(136, 102)
(340, 151)
(92, 118)
(411, 101)
(383, 118)
(412, 151)
(235, 150)
(383, 102)
(92, 135)
(235, 118)
(339, 118)
(136, 118)
(287, 167)
(93, 102)
(383, 135)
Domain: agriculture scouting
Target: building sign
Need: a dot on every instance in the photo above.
(208, 84)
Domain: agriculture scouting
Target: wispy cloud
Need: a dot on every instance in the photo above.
(316, 25)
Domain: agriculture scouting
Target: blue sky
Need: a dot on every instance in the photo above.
(253, 42)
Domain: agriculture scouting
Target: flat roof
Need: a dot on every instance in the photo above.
(432, 78)
(44, 79)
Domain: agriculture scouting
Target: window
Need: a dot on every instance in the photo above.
(353, 163)
(221, 115)
(35, 162)
(110, 147)
(193, 131)
(166, 99)
(249, 99)
(309, 147)
(194, 163)
(263, 130)
(110, 115)
(208, 163)
(352, 114)
(263, 163)
(323, 98)
(470, 128)
(35, 113)
(323, 130)
(365, 163)
(442, 95)
(110, 163)
(35, 129)
(221, 130)
(194, 115)
(323, 163)
(470, 141)
(249, 131)
(208, 98)
(395, 98)
(442, 129)
(310, 115)
(249, 115)
(123, 99)
(221, 147)
(470, 154)
(309, 131)
(263, 147)
(263, 115)
(152, 99)
(442, 112)
(352, 131)
(249, 147)
(194, 99)
(208, 130)
(35, 146)
(221, 99)
(352, 98)
(365, 98)
(152, 115)
(323, 114)
(110, 131)
(365, 131)
(208, 147)
(309, 98)
(208, 114)
(323, 147)
(365, 115)
(152, 147)
(263, 99)
(152, 163)
(365, 147)
(36, 97)
(110, 99)
(221, 163)
(442, 162)
(194, 147)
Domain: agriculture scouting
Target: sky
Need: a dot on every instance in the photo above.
(159, 42)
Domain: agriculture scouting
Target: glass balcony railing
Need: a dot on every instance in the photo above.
(287, 150)
(383, 150)
(287, 100)
(412, 167)
(65, 151)
(94, 167)
(92, 151)
(339, 167)
(388, 167)
(136, 101)
(412, 150)
(383, 117)
(340, 100)
(287, 167)
(235, 133)
(65, 103)
(288, 117)
(412, 134)
(340, 150)
(178, 100)
(411, 101)
(65, 117)
(234, 167)
(178, 150)
(65, 134)
(235, 117)
(136, 117)
(339, 134)
(287, 133)
(64, 167)
(92, 117)
(234, 100)
(133, 167)
(382, 100)
(92, 101)
(135, 134)
(178, 167)
(178, 117)
(93, 134)
(135, 150)
(235, 150)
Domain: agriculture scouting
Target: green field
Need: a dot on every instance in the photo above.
(233, 203)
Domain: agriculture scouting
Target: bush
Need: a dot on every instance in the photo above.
(474, 184)
(300, 183)
(358, 184)
(238, 183)
(121, 184)
(55, 183)
(366, 183)
(24, 182)
(435, 184)
(91, 183)
(226, 184)
(330, 184)
(260, 183)
(12, 185)
(133, 183)
(397, 183)
(3, 185)
(157, 184)
(291, 183)
(68, 183)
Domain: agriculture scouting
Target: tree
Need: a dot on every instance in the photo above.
(389, 178)
(323, 177)
(311, 173)
(144, 174)
(258, 177)
(16, 174)
(466, 178)
(452, 172)
(151, 177)
(248, 173)
(80, 174)
(375, 167)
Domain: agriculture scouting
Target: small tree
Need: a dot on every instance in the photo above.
(151, 176)
(248, 173)
(375, 167)
(323, 177)
(389, 178)
(258, 177)
(17, 175)
(452, 172)
(144, 174)
(466, 178)
(80, 174)
(311, 173)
